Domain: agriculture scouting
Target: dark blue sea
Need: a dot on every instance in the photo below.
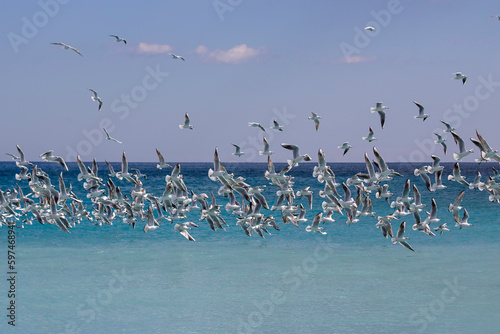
(116, 279)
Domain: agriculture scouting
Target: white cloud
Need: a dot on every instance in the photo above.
(153, 48)
(238, 54)
(356, 59)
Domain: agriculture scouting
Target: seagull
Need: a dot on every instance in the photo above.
(457, 176)
(421, 112)
(266, 148)
(435, 165)
(370, 137)
(183, 229)
(314, 117)
(441, 141)
(151, 224)
(485, 148)
(96, 98)
(108, 137)
(461, 146)
(296, 157)
(432, 216)
(23, 174)
(345, 146)
(449, 128)
(67, 47)
(455, 207)
(162, 163)
(401, 238)
(186, 124)
(47, 156)
(477, 184)
(276, 126)
(460, 76)
(314, 227)
(496, 16)
(238, 152)
(464, 221)
(20, 160)
(174, 56)
(256, 125)
(370, 28)
(118, 39)
(380, 109)
(442, 228)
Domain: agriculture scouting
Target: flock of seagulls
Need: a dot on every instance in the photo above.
(106, 203)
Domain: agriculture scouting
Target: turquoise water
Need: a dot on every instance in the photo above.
(114, 279)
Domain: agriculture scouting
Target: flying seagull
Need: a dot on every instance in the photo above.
(186, 124)
(420, 112)
(449, 128)
(96, 98)
(380, 109)
(370, 28)
(460, 76)
(238, 151)
(256, 125)
(370, 137)
(276, 126)
(345, 146)
(108, 137)
(162, 163)
(48, 156)
(401, 238)
(177, 57)
(67, 47)
(315, 117)
(118, 39)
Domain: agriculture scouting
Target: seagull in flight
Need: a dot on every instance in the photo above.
(118, 39)
(315, 117)
(162, 163)
(441, 141)
(370, 137)
(266, 148)
(420, 112)
(96, 98)
(108, 137)
(177, 57)
(401, 238)
(48, 156)
(186, 124)
(460, 76)
(449, 128)
(276, 126)
(238, 152)
(256, 125)
(461, 146)
(370, 28)
(345, 146)
(67, 47)
(380, 109)
(296, 156)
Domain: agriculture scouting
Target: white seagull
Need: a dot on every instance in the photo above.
(314, 227)
(380, 109)
(315, 117)
(108, 137)
(186, 124)
(162, 163)
(460, 76)
(266, 148)
(369, 28)
(67, 47)
(345, 146)
(48, 156)
(96, 98)
(276, 126)
(256, 125)
(420, 112)
(118, 39)
(401, 238)
(174, 56)
(441, 141)
(449, 128)
(238, 152)
(183, 229)
(461, 146)
(464, 221)
(296, 156)
(370, 137)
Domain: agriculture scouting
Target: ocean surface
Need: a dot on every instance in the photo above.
(116, 279)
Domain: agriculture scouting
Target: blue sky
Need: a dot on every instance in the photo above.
(248, 61)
